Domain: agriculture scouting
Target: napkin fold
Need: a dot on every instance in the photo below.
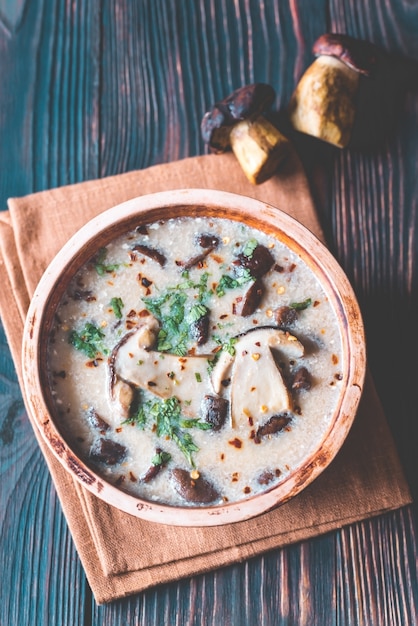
(122, 554)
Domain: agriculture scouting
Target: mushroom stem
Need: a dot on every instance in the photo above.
(259, 147)
(324, 102)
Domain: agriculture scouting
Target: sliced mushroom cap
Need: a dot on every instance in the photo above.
(164, 375)
(358, 54)
(324, 102)
(197, 490)
(258, 390)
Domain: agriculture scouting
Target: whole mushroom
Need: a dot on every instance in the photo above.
(347, 96)
(238, 123)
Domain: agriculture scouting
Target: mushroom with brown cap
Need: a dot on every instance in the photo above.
(238, 123)
(347, 96)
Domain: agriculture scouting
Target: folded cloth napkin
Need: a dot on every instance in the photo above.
(121, 554)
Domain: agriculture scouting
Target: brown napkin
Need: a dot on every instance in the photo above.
(120, 553)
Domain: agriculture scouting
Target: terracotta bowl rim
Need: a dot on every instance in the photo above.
(147, 208)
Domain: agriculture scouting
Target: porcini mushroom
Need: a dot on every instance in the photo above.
(238, 123)
(133, 362)
(324, 102)
(347, 95)
(258, 390)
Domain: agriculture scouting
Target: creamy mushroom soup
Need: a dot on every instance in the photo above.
(195, 361)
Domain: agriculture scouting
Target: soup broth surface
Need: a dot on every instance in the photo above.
(195, 361)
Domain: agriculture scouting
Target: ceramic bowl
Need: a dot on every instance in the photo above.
(192, 202)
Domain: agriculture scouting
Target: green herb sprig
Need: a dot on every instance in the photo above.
(165, 417)
(89, 340)
(100, 265)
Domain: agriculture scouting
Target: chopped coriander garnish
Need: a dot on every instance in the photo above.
(300, 306)
(100, 265)
(161, 458)
(230, 282)
(196, 312)
(88, 340)
(198, 377)
(117, 306)
(250, 246)
(165, 417)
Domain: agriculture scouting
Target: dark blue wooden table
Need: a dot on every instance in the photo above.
(90, 88)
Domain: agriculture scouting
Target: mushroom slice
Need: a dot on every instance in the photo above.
(222, 371)
(164, 375)
(258, 390)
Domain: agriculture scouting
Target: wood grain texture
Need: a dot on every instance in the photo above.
(96, 88)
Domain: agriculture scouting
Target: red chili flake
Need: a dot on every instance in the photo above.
(94, 363)
(222, 456)
(292, 267)
(250, 420)
(247, 489)
(252, 434)
(255, 321)
(132, 477)
(258, 343)
(235, 477)
(222, 317)
(278, 268)
(237, 443)
(118, 430)
(144, 313)
(132, 313)
(334, 359)
(316, 303)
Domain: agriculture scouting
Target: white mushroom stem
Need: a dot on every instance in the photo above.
(259, 148)
(163, 375)
(258, 390)
(324, 102)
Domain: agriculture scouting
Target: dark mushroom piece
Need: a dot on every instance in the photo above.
(96, 421)
(199, 329)
(250, 300)
(258, 262)
(108, 451)
(285, 316)
(151, 253)
(301, 379)
(208, 243)
(215, 411)
(348, 94)
(274, 425)
(238, 123)
(193, 489)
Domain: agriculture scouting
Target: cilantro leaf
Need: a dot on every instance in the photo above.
(100, 265)
(300, 306)
(117, 306)
(88, 340)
